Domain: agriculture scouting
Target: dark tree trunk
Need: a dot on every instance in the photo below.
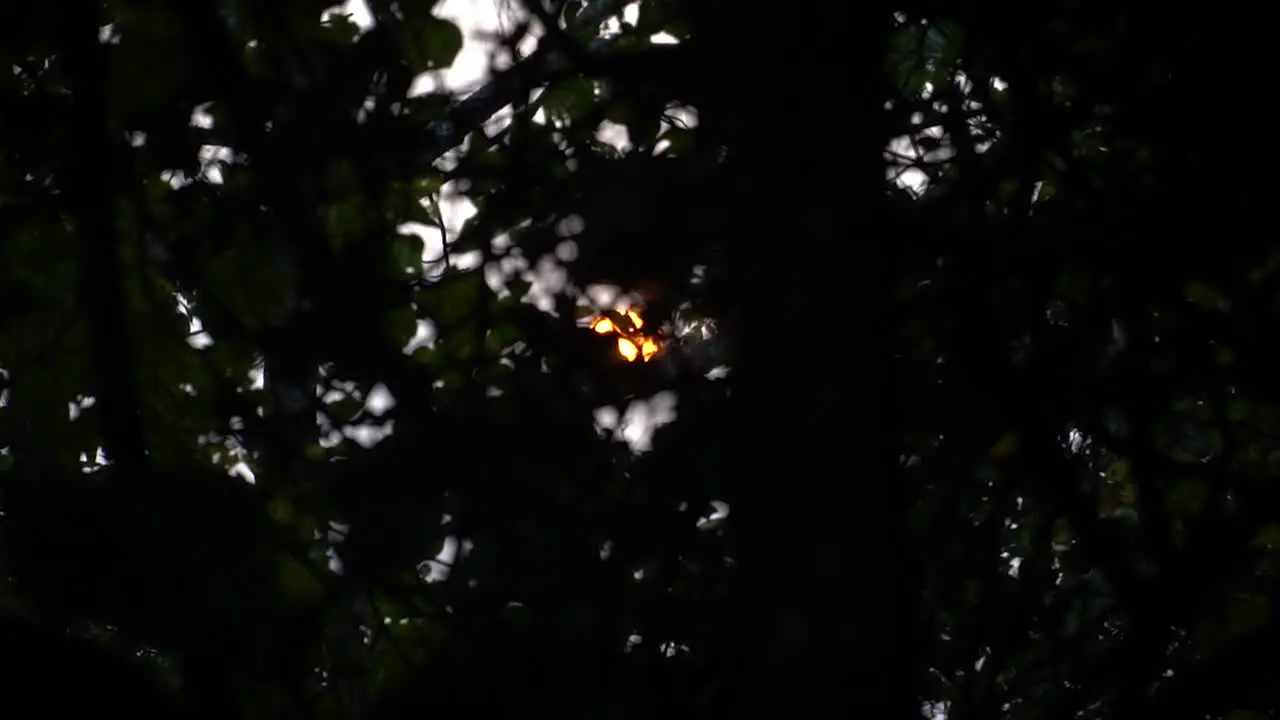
(824, 614)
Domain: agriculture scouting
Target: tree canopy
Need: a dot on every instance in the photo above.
(892, 359)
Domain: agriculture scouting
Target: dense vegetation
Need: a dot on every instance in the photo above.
(940, 383)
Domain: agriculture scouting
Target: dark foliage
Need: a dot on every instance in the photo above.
(959, 309)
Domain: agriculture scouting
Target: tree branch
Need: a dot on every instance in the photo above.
(557, 56)
(90, 184)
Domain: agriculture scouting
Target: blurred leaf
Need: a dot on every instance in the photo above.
(1247, 614)
(434, 45)
(407, 251)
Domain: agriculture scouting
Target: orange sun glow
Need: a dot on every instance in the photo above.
(632, 344)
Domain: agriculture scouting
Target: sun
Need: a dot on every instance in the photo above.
(633, 344)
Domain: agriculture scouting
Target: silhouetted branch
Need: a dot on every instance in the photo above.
(91, 181)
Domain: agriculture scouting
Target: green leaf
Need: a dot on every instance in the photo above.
(299, 584)
(519, 287)
(340, 28)
(570, 98)
(407, 252)
(502, 337)
(434, 45)
(451, 300)
(1239, 409)
(679, 141)
(344, 217)
(1268, 537)
(1186, 498)
(402, 324)
(1247, 614)
(1206, 296)
(427, 186)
